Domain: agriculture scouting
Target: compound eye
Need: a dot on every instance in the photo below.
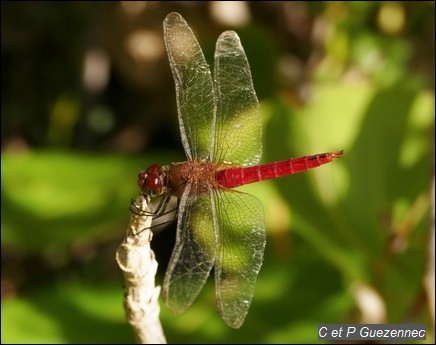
(142, 177)
(153, 182)
(154, 185)
(153, 169)
(150, 180)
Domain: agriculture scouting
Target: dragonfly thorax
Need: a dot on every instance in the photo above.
(151, 181)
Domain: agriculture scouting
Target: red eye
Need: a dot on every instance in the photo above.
(153, 169)
(141, 179)
(153, 182)
(150, 180)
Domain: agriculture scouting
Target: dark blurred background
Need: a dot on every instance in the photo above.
(88, 100)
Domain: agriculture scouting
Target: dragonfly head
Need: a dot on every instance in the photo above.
(151, 181)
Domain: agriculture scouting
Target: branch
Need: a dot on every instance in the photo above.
(137, 261)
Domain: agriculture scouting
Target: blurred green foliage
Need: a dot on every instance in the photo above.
(357, 76)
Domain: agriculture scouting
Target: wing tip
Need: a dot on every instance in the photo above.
(173, 15)
(234, 322)
(229, 35)
(174, 18)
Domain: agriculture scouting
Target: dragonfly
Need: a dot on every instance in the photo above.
(221, 131)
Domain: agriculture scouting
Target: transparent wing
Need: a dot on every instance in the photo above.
(194, 252)
(238, 132)
(239, 253)
(194, 87)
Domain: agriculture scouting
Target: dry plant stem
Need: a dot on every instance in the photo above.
(137, 261)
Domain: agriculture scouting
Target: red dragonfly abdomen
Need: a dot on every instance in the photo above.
(234, 177)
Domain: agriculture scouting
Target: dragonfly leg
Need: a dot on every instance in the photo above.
(154, 213)
(167, 211)
(163, 203)
(160, 211)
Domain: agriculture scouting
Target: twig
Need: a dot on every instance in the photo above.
(137, 261)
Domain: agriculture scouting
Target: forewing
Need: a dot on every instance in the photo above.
(239, 253)
(238, 134)
(194, 252)
(194, 87)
